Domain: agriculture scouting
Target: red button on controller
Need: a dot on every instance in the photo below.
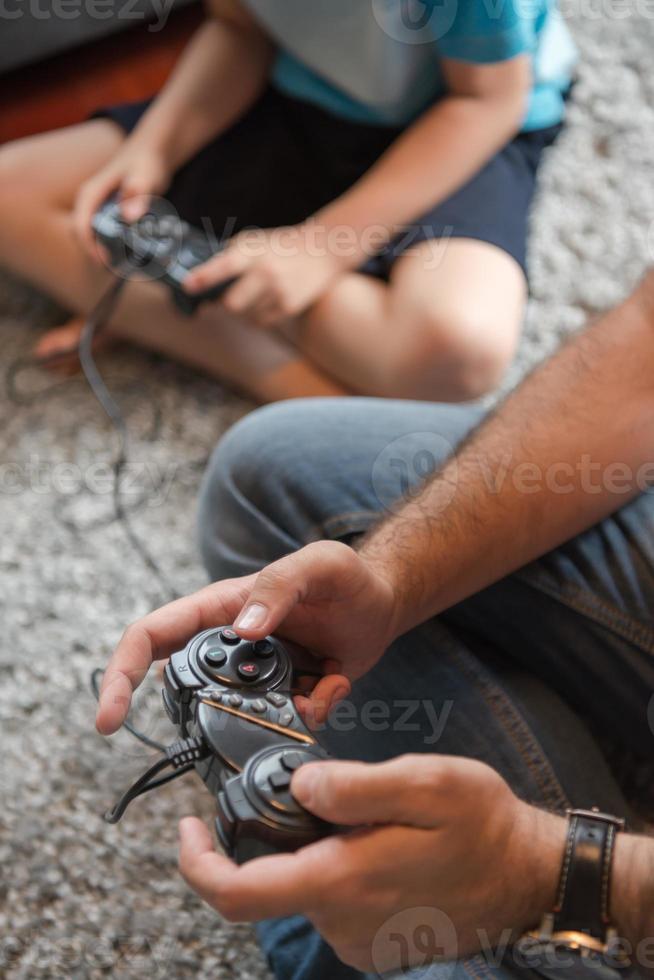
(248, 671)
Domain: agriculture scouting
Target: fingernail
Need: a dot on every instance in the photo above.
(252, 617)
(305, 782)
(340, 693)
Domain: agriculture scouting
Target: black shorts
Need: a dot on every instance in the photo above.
(286, 159)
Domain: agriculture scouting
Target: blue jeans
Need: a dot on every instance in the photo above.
(529, 675)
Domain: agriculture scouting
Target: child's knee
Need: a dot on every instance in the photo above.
(462, 353)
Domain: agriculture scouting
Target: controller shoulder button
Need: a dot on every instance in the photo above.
(170, 682)
(235, 700)
(172, 710)
(259, 706)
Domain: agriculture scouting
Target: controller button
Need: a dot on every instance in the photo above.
(286, 718)
(259, 706)
(293, 760)
(278, 700)
(235, 700)
(264, 648)
(280, 781)
(229, 636)
(215, 658)
(248, 671)
(215, 696)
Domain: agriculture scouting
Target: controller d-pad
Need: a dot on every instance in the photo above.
(248, 671)
(280, 781)
(270, 780)
(291, 761)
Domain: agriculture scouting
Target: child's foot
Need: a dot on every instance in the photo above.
(58, 347)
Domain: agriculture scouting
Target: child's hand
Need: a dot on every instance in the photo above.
(136, 173)
(279, 273)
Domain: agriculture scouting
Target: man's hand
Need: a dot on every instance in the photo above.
(278, 276)
(324, 598)
(448, 835)
(135, 173)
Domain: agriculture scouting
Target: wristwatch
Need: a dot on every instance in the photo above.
(576, 939)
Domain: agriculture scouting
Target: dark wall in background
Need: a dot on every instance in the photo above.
(64, 89)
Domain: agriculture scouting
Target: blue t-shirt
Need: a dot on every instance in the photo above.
(378, 61)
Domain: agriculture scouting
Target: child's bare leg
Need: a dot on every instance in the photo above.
(39, 179)
(444, 329)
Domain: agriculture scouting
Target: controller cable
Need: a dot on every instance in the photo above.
(94, 325)
(96, 678)
(181, 755)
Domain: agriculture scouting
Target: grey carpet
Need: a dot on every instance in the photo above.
(79, 899)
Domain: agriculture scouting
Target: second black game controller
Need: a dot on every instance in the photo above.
(231, 701)
(159, 246)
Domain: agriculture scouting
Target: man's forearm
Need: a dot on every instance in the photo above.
(570, 446)
(220, 74)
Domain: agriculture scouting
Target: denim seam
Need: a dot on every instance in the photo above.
(518, 730)
(354, 522)
(595, 608)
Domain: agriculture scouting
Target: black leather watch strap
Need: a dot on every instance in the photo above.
(584, 888)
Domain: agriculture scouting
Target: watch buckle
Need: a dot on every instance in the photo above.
(596, 814)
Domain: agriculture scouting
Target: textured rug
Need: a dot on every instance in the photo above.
(79, 899)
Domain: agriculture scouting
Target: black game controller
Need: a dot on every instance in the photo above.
(159, 246)
(231, 701)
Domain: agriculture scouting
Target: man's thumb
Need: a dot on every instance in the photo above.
(283, 585)
(354, 793)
